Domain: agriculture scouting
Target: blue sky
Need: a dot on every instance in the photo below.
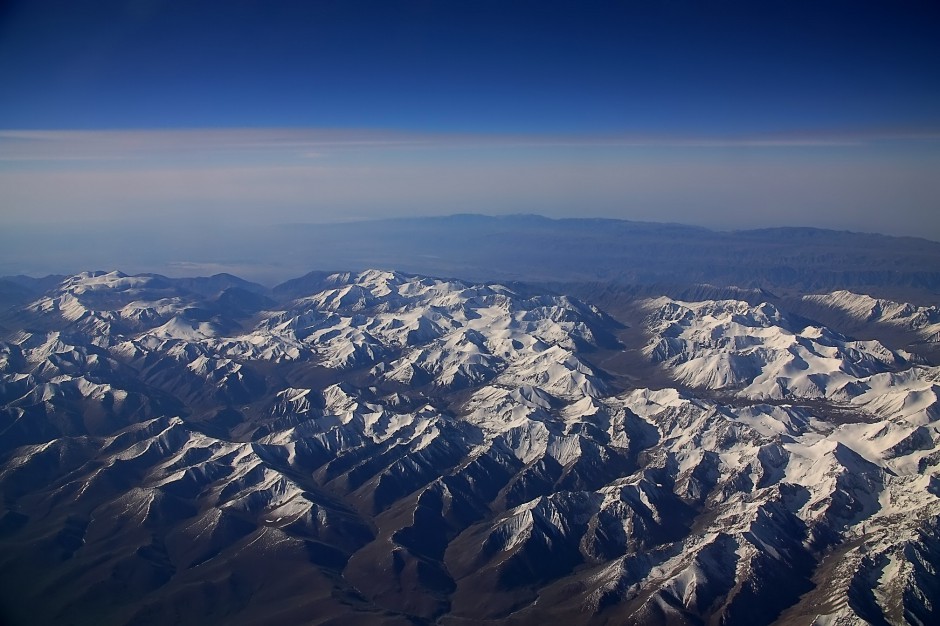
(720, 113)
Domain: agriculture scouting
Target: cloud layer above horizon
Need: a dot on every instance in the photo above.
(879, 182)
(731, 114)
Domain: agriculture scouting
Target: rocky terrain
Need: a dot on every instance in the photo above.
(384, 448)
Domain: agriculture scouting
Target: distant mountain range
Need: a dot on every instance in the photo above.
(521, 248)
(537, 249)
(378, 447)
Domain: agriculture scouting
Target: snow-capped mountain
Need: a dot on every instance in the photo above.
(922, 321)
(385, 448)
(760, 352)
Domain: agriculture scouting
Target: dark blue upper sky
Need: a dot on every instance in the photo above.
(651, 67)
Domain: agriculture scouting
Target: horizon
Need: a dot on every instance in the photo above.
(484, 248)
(147, 117)
(654, 335)
(870, 182)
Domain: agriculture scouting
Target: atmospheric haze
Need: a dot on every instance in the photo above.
(147, 119)
(451, 312)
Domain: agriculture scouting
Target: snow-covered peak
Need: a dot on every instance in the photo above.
(862, 308)
(758, 351)
(437, 450)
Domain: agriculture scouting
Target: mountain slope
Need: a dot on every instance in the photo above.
(378, 447)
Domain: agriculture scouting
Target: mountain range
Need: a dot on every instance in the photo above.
(576, 253)
(378, 447)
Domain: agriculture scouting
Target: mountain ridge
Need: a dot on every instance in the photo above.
(534, 249)
(425, 450)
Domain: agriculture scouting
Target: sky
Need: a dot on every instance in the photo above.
(724, 114)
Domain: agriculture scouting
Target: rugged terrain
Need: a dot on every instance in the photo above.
(378, 447)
